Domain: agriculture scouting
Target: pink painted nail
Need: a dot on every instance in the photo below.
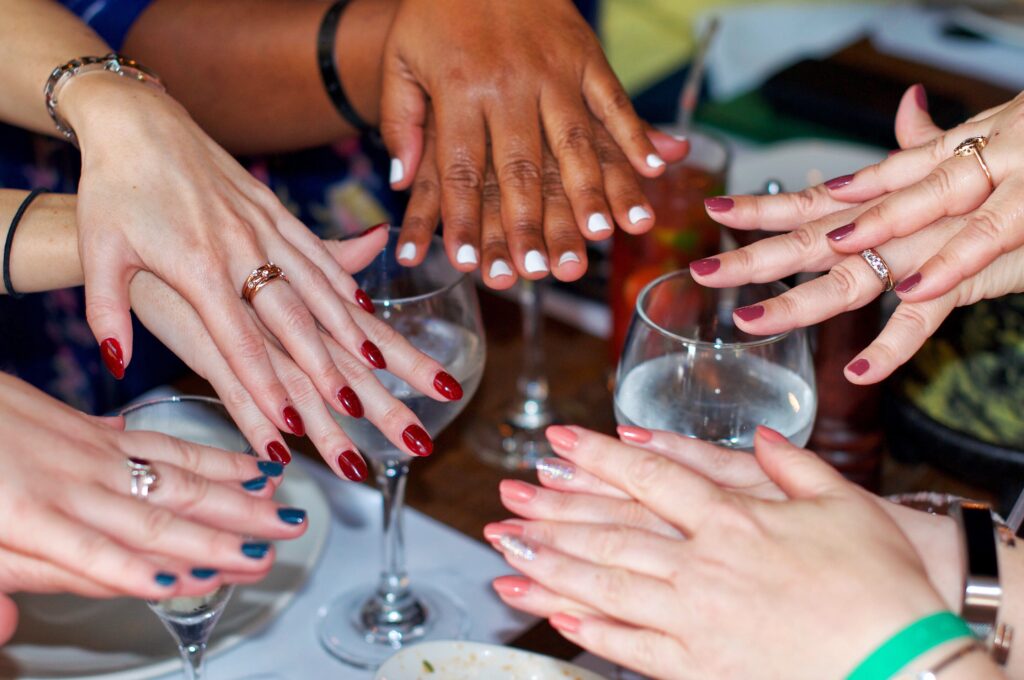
(842, 232)
(565, 623)
(908, 284)
(921, 97)
(859, 367)
(495, 530)
(770, 434)
(515, 490)
(749, 313)
(634, 434)
(719, 204)
(839, 182)
(563, 437)
(511, 586)
(706, 266)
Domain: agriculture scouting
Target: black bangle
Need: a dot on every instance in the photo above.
(10, 239)
(329, 68)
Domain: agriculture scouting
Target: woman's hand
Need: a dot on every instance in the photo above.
(73, 526)
(645, 600)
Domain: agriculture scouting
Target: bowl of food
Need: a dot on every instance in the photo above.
(461, 660)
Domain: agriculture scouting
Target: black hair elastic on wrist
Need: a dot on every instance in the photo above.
(329, 68)
(10, 239)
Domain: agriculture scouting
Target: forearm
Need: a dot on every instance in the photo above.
(246, 69)
(44, 254)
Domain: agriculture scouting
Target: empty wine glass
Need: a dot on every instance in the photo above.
(435, 308)
(687, 368)
(205, 421)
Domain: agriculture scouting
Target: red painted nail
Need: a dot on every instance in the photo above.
(859, 367)
(719, 203)
(706, 266)
(839, 182)
(113, 359)
(561, 436)
(749, 313)
(373, 355)
(921, 97)
(418, 441)
(634, 434)
(364, 301)
(839, 233)
(511, 586)
(350, 400)
(447, 386)
(565, 623)
(770, 434)
(495, 530)
(352, 465)
(516, 490)
(278, 453)
(374, 228)
(908, 284)
(894, 152)
(294, 421)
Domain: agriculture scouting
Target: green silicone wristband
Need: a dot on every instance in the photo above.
(908, 644)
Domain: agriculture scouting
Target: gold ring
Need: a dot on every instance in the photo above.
(260, 277)
(879, 267)
(972, 146)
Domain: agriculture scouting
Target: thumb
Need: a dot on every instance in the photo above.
(355, 254)
(914, 125)
(8, 618)
(403, 114)
(798, 472)
(109, 313)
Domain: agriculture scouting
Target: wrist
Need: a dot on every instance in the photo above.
(94, 102)
(364, 23)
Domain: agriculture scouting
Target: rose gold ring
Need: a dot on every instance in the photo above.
(972, 146)
(260, 277)
(879, 267)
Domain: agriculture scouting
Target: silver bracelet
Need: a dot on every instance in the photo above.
(933, 672)
(113, 63)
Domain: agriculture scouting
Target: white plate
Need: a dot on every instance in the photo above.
(797, 164)
(455, 660)
(63, 636)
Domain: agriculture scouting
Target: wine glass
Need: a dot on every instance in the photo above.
(687, 368)
(205, 421)
(435, 308)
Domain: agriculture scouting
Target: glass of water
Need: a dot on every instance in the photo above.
(687, 368)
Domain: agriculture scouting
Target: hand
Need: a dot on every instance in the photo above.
(644, 600)
(73, 526)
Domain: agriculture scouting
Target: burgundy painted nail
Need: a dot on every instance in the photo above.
(374, 228)
(921, 96)
(750, 313)
(859, 367)
(708, 265)
(278, 453)
(893, 152)
(719, 203)
(373, 355)
(447, 386)
(113, 359)
(908, 284)
(294, 421)
(839, 182)
(839, 233)
(352, 465)
(418, 441)
(364, 301)
(350, 400)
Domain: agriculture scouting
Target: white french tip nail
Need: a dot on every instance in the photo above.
(637, 214)
(680, 138)
(597, 223)
(568, 257)
(516, 548)
(408, 252)
(500, 268)
(653, 161)
(397, 170)
(534, 262)
(466, 254)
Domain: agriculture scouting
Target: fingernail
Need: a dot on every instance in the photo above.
(634, 434)
(270, 468)
(708, 265)
(373, 355)
(255, 484)
(350, 402)
(771, 435)
(417, 441)
(516, 490)
(256, 551)
(908, 284)
(278, 453)
(654, 161)
(638, 214)
(447, 386)
(750, 313)
(921, 97)
(597, 223)
(166, 580)
(138, 461)
(294, 421)
(407, 252)
(374, 228)
(511, 586)
(495, 530)
(113, 359)
(397, 170)
(500, 268)
(518, 548)
(859, 367)
(839, 182)
(564, 622)
(364, 301)
(203, 573)
(556, 469)
(466, 254)
(534, 262)
(680, 138)
(352, 465)
(559, 435)
(568, 257)
(291, 515)
(719, 204)
(894, 152)
(839, 233)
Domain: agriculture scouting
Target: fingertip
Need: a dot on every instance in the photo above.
(570, 266)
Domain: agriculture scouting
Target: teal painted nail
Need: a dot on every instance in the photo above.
(255, 484)
(292, 515)
(269, 467)
(165, 579)
(257, 551)
(202, 574)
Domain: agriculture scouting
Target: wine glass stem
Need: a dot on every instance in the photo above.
(194, 658)
(393, 597)
(530, 409)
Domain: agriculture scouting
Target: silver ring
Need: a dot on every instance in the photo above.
(879, 267)
(144, 478)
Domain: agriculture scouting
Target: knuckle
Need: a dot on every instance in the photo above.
(299, 386)
(91, 547)
(462, 175)
(805, 201)
(844, 283)
(939, 183)
(804, 240)
(646, 472)
(249, 346)
(613, 583)
(911, 319)
(520, 173)
(296, 319)
(525, 227)
(609, 543)
(985, 227)
(156, 522)
(574, 138)
(617, 103)
(418, 224)
(186, 454)
(194, 490)
(427, 186)
(236, 395)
